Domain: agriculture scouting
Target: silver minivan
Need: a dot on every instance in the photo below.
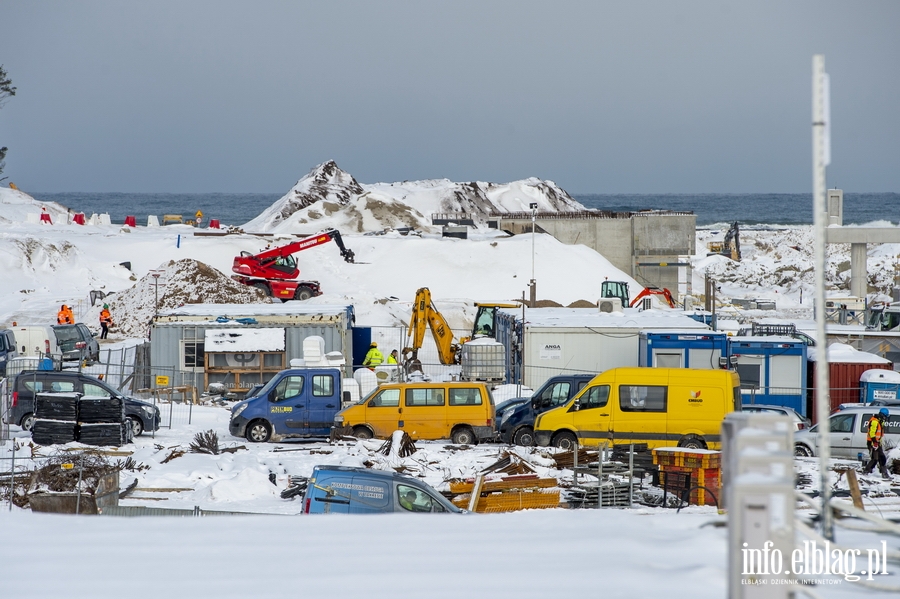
(848, 432)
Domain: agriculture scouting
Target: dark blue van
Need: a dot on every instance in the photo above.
(516, 425)
(346, 490)
(296, 403)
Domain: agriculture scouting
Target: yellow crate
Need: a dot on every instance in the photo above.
(511, 501)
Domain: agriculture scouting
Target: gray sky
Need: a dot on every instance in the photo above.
(600, 97)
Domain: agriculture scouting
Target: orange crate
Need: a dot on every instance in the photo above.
(690, 458)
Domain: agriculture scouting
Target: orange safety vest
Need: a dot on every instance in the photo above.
(65, 316)
(105, 317)
(876, 431)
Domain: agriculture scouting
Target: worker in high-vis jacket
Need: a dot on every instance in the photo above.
(874, 440)
(65, 315)
(373, 357)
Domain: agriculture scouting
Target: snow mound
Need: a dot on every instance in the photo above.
(331, 197)
(184, 282)
(16, 205)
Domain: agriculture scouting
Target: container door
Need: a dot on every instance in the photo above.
(383, 412)
(424, 413)
(593, 417)
(324, 403)
(288, 405)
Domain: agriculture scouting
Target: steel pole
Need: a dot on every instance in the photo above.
(823, 397)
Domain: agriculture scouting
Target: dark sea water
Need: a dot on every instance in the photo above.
(710, 208)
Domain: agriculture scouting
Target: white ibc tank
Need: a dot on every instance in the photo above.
(483, 360)
(366, 379)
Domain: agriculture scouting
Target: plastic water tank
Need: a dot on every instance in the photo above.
(483, 360)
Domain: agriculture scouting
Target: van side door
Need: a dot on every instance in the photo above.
(592, 419)
(424, 413)
(324, 402)
(288, 405)
(642, 415)
(841, 432)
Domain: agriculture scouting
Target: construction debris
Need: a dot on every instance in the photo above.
(507, 494)
(398, 444)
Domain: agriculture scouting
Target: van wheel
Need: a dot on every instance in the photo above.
(565, 440)
(463, 436)
(27, 422)
(802, 451)
(137, 427)
(362, 432)
(524, 436)
(692, 442)
(258, 431)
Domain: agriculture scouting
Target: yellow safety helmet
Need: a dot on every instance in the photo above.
(373, 344)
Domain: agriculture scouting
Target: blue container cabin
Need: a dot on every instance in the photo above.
(772, 370)
(879, 384)
(682, 349)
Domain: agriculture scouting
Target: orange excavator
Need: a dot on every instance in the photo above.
(274, 271)
(619, 289)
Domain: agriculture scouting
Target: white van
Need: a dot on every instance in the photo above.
(848, 432)
(37, 340)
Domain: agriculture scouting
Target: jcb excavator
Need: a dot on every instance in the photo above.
(274, 271)
(425, 314)
(730, 246)
(619, 289)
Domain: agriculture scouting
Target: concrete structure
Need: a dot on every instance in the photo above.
(190, 345)
(653, 246)
(858, 238)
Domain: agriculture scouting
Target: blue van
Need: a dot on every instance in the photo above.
(516, 425)
(346, 490)
(296, 403)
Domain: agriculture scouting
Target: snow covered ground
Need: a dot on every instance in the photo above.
(536, 553)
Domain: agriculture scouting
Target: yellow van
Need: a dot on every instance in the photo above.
(662, 407)
(462, 412)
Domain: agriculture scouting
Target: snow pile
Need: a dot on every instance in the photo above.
(331, 197)
(16, 205)
(184, 282)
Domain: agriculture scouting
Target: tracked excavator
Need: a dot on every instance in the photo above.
(274, 271)
(730, 246)
(619, 289)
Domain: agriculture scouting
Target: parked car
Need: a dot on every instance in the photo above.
(76, 342)
(801, 422)
(346, 490)
(461, 412)
(7, 349)
(848, 430)
(38, 341)
(143, 416)
(516, 425)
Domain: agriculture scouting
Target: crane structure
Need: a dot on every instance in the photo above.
(274, 270)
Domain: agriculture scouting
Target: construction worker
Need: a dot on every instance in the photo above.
(373, 357)
(393, 358)
(105, 321)
(65, 315)
(873, 441)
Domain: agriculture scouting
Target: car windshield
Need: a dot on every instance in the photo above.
(67, 334)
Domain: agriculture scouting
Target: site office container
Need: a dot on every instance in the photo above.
(772, 370)
(551, 341)
(683, 349)
(843, 376)
(462, 412)
(662, 407)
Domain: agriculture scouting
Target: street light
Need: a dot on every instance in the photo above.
(533, 283)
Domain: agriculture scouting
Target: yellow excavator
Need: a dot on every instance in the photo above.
(424, 313)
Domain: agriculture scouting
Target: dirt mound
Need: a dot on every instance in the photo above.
(547, 304)
(582, 304)
(184, 282)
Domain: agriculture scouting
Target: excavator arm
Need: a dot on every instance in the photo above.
(648, 291)
(424, 314)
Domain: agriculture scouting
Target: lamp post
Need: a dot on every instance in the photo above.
(533, 282)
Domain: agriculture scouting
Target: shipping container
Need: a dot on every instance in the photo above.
(554, 341)
(845, 368)
(683, 349)
(772, 370)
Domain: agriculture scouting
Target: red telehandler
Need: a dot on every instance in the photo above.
(274, 271)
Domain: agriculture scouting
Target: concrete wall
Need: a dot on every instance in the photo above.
(629, 242)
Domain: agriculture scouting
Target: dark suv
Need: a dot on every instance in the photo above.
(77, 342)
(143, 415)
